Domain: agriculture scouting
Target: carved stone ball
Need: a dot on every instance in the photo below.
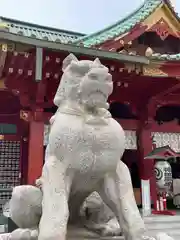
(26, 206)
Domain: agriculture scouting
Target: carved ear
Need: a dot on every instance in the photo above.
(67, 61)
(97, 61)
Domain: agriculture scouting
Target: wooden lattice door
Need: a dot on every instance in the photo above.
(10, 166)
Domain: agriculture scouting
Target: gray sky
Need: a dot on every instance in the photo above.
(84, 16)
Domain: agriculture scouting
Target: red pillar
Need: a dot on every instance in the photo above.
(146, 167)
(36, 151)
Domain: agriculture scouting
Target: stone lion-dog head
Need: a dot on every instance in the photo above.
(87, 82)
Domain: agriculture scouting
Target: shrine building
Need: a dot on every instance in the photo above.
(142, 52)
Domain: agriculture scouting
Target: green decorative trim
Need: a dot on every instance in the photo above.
(166, 57)
(39, 64)
(122, 26)
(7, 128)
(39, 32)
(73, 48)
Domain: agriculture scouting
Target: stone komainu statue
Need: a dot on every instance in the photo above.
(82, 157)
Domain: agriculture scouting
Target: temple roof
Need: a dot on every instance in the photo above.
(20, 30)
(38, 32)
(125, 25)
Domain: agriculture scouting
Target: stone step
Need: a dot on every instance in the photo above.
(163, 225)
(167, 224)
(156, 219)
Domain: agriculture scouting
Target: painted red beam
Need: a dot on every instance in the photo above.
(29, 116)
(171, 68)
(9, 118)
(156, 99)
(166, 92)
(128, 124)
(138, 30)
(171, 127)
(169, 103)
(3, 54)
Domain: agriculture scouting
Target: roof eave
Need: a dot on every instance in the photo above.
(9, 20)
(85, 38)
(72, 48)
(168, 3)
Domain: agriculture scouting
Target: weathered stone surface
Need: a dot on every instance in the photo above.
(83, 156)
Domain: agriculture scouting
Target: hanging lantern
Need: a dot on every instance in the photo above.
(163, 173)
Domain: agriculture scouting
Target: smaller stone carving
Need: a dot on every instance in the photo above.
(25, 209)
(26, 201)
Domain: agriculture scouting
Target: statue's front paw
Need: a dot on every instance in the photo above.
(24, 234)
(5, 236)
(21, 234)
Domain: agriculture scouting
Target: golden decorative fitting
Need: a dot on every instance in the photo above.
(1, 137)
(2, 84)
(4, 47)
(24, 116)
(155, 72)
(4, 26)
(7, 47)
